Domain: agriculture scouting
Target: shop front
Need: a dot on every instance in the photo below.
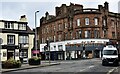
(74, 51)
(78, 51)
(54, 55)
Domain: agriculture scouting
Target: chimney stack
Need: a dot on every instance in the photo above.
(23, 18)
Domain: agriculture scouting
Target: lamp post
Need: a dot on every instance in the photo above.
(84, 50)
(1, 41)
(48, 46)
(36, 32)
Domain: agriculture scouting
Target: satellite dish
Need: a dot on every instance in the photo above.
(1, 40)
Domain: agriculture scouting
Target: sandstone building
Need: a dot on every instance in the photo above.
(73, 22)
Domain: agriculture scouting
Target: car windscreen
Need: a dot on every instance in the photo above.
(110, 52)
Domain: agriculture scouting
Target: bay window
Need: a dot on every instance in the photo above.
(23, 39)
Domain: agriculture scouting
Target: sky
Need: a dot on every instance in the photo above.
(13, 9)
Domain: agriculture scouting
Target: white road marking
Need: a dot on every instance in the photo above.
(111, 70)
(87, 68)
(91, 66)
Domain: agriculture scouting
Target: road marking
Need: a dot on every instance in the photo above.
(91, 66)
(87, 68)
(82, 69)
(111, 70)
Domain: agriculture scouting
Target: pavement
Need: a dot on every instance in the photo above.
(27, 66)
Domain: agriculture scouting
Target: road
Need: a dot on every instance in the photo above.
(92, 66)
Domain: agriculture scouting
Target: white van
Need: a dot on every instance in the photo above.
(110, 55)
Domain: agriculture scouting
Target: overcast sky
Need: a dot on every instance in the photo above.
(12, 9)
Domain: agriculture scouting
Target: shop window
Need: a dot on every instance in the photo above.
(4, 54)
(17, 54)
(60, 47)
(24, 53)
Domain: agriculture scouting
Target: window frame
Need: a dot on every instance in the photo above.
(8, 25)
(78, 22)
(13, 40)
(96, 21)
(87, 21)
(87, 34)
(24, 39)
(22, 26)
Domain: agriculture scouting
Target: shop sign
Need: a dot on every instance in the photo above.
(34, 51)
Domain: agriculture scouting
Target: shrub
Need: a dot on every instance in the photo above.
(34, 61)
(11, 63)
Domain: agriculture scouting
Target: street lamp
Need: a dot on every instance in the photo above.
(84, 50)
(36, 32)
(1, 41)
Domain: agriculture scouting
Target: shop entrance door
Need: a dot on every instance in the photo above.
(10, 54)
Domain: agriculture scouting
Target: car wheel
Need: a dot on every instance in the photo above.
(103, 63)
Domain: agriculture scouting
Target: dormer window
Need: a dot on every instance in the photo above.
(9, 25)
(22, 26)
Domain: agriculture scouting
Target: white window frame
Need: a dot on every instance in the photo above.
(65, 25)
(23, 39)
(104, 22)
(9, 25)
(80, 33)
(11, 39)
(86, 34)
(87, 21)
(78, 22)
(96, 21)
(22, 26)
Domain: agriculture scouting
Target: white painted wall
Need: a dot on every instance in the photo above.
(1, 24)
(31, 43)
(3, 51)
(16, 51)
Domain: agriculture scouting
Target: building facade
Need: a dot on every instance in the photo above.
(18, 39)
(74, 22)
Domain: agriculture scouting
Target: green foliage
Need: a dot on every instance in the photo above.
(34, 58)
(34, 61)
(11, 63)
